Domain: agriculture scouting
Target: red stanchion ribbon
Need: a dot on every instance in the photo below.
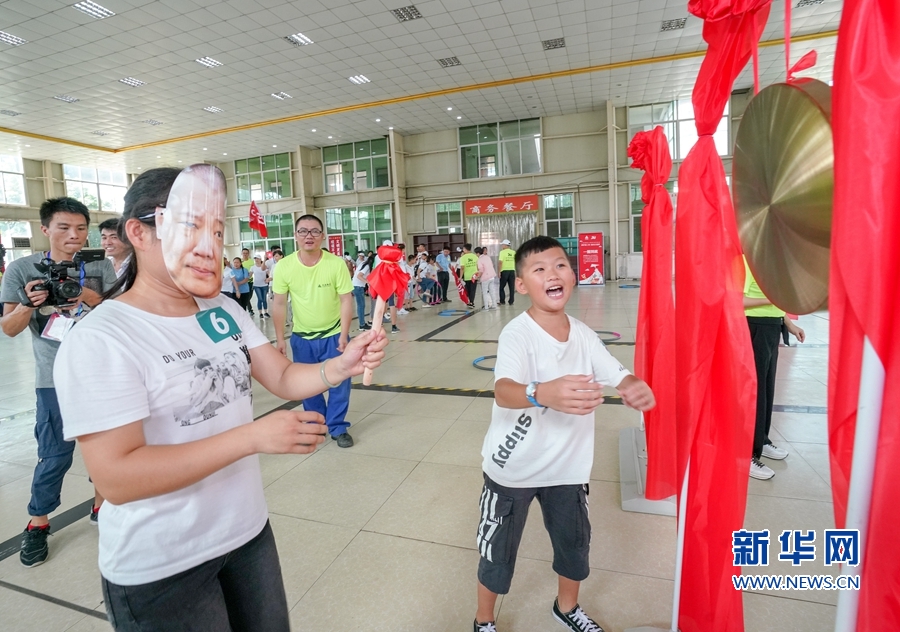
(387, 279)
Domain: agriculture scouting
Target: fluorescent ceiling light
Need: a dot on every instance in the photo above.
(213, 109)
(93, 9)
(359, 79)
(447, 62)
(66, 98)
(313, 129)
(281, 96)
(12, 40)
(405, 14)
(458, 118)
(209, 62)
(152, 122)
(131, 81)
(299, 39)
(9, 112)
(378, 120)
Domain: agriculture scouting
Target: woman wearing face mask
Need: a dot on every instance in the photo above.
(185, 541)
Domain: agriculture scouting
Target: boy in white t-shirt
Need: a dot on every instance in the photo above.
(549, 376)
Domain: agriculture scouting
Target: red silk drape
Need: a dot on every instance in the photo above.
(654, 353)
(388, 278)
(865, 281)
(715, 375)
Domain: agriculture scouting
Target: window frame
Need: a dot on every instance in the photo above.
(359, 156)
(6, 172)
(681, 114)
(335, 224)
(276, 227)
(558, 221)
(498, 142)
(257, 177)
(99, 188)
(448, 228)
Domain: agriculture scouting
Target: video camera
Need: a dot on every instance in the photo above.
(62, 287)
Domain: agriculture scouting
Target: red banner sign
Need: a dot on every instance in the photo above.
(518, 204)
(336, 245)
(590, 259)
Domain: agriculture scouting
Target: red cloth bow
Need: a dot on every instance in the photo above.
(388, 278)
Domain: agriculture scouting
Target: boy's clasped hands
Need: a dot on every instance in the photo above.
(580, 395)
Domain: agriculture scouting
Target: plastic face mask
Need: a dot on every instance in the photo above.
(192, 230)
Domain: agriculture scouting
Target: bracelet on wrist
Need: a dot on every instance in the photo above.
(325, 379)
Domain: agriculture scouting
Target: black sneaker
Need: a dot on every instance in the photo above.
(344, 440)
(502, 303)
(95, 514)
(395, 329)
(575, 619)
(490, 626)
(365, 327)
(34, 547)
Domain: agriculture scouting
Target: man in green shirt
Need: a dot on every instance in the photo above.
(507, 272)
(765, 322)
(468, 263)
(322, 305)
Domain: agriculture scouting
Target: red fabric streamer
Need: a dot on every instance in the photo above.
(865, 232)
(460, 287)
(654, 355)
(257, 221)
(388, 278)
(716, 375)
(807, 61)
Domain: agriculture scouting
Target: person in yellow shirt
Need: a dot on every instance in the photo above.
(765, 322)
(507, 272)
(468, 263)
(247, 264)
(322, 305)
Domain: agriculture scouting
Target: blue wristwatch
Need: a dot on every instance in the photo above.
(529, 393)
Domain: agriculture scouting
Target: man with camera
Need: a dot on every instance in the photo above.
(48, 292)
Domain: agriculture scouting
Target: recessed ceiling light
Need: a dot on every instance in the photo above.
(274, 145)
(209, 62)
(330, 137)
(673, 25)
(66, 98)
(448, 62)
(213, 109)
(28, 145)
(378, 120)
(313, 129)
(405, 14)
(225, 154)
(391, 127)
(12, 40)
(139, 168)
(100, 132)
(152, 122)
(458, 118)
(179, 161)
(93, 9)
(359, 79)
(204, 149)
(281, 96)
(299, 39)
(131, 81)
(10, 112)
(159, 156)
(448, 109)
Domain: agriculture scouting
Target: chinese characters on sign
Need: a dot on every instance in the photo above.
(336, 245)
(751, 548)
(518, 204)
(590, 259)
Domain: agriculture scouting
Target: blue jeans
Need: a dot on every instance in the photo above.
(54, 454)
(359, 293)
(313, 352)
(240, 591)
(261, 291)
(428, 287)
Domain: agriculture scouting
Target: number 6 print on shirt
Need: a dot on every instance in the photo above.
(217, 324)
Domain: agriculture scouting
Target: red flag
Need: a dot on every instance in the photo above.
(865, 232)
(460, 287)
(257, 221)
(716, 375)
(654, 352)
(388, 277)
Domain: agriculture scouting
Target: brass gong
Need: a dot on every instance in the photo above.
(783, 187)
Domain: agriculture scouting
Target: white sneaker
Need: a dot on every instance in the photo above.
(760, 471)
(387, 318)
(772, 451)
(426, 306)
(402, 312)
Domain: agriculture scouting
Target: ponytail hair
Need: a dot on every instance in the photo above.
(149, 191)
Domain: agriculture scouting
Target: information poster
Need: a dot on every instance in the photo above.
(336, 245)
(590, 259)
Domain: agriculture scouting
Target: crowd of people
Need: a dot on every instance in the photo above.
(173, 453)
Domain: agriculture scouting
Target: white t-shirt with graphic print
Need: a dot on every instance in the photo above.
(535, 447)
(187, 378)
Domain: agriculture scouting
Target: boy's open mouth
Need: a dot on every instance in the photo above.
(555, 291)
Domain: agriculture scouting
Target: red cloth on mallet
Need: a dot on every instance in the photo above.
(385, 280)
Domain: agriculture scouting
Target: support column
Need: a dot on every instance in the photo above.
(613, 178)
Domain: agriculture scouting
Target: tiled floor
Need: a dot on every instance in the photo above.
(381, 536)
